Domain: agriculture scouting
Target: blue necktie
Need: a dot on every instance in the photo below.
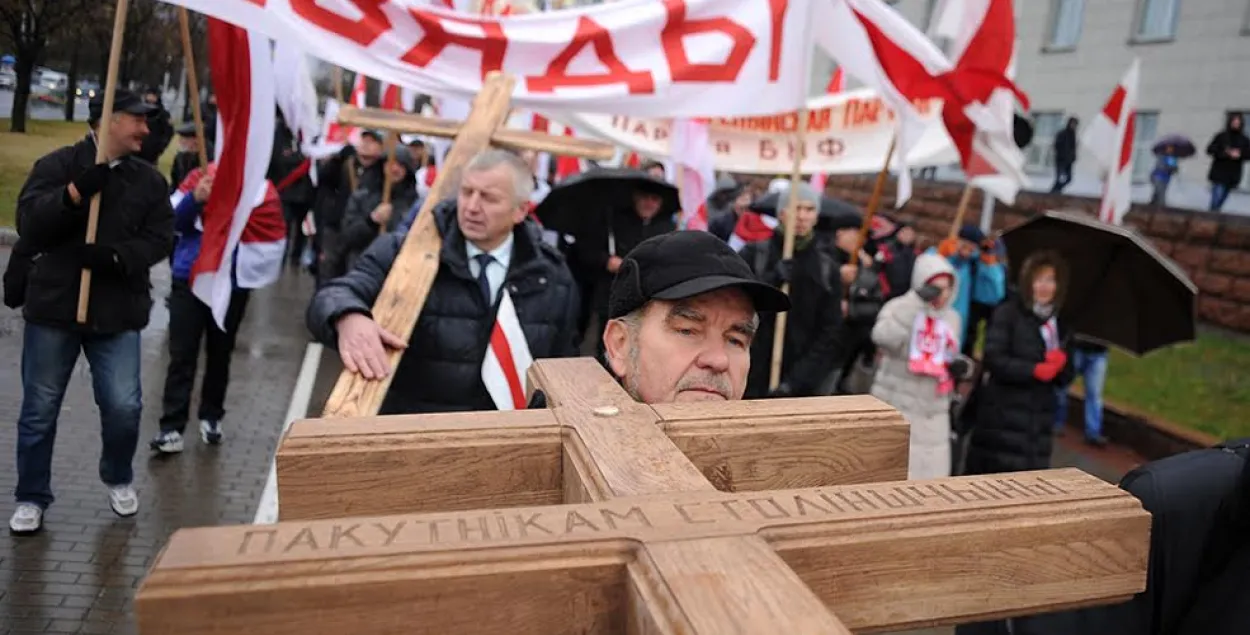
(483, 261)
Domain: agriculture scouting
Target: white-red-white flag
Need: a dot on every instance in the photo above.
(982, 34)
(1109, 139)
(693, 161)
(242, 68)
(507, 359)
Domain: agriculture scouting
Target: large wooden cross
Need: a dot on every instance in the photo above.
(646, 544)
(403, 294)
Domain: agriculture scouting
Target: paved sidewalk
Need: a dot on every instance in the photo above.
(81, 573)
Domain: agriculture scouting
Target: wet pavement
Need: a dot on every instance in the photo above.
(81, 573)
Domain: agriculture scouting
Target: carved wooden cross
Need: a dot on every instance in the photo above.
(649, 546)
(403, 294)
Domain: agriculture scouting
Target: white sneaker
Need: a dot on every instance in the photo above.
(169, 442)
(124, 500)
(27, 519)
(210, 432)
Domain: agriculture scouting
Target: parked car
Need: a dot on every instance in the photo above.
(8, 79)
(86, 89)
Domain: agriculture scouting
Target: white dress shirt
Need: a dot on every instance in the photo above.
(497, 270)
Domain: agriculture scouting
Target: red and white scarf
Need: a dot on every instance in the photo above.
(933, 346)
(1050, 334)
(507, 358)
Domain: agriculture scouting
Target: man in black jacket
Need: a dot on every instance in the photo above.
(491, 258)
(338, 177)
(135, 232)
(816, 304)
(1065, 155)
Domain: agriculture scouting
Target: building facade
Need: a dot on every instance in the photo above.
(1195, 69)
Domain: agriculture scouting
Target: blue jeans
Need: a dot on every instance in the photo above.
(1092, 366)
(48, 357)
(1219, 194)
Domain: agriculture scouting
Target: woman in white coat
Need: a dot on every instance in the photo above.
(918, 336)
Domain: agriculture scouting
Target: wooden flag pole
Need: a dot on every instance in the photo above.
(787, 245)
(102, 142)
(336, 76)
(392, 142)
(963, 210)
(874, 203)
(193, 83)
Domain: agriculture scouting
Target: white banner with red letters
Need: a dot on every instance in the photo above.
(847, 133)
(649, 58)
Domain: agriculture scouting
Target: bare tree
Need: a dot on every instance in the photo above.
(26, 25)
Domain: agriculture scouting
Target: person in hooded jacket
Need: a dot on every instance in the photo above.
(367, 215)
(160, 128)
(917, 335)
(1229, 150)
(1026, 361)
(815, 304)
(338, 177)
(488, 249)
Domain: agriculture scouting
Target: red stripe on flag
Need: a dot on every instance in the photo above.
(503, 352)
(1126, 144)
(231, 65)
(295, 175)
(1115, 105)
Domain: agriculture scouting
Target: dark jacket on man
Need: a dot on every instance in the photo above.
(1065, 146)
(135, 222)
(627, 229)
(442, 367)
(358, 228)
(812, 323)
(1225, 170)
(160, 134)
(1015, 410)
(334, 186)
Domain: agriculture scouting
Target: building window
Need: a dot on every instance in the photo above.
(1066, 17)
(1156, 20)
(1147, 130)
(1041, 153)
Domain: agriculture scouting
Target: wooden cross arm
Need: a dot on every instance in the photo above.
(406, 123)
(364, 465)
(885, 556)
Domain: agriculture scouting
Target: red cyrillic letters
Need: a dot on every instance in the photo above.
(678, 27)
(363, 31)
(590, 32)
(493, 45)
(777, 8)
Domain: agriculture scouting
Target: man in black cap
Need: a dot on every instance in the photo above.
(160, 128)
(682, 313)
(188, 156)
(135, 231)
(338, 177)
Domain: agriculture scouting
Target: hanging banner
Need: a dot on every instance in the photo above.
(648, 58)
(847, 133)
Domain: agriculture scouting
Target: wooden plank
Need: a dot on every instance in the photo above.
(883, 556)
(406, 123)
(403, 294)
(789, 443)
(444, 462)
(439, 462)
(735, 585)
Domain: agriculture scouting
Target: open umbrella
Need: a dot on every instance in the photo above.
(1180, 146)
(831, 209)
(581, 201)
(1121, 291)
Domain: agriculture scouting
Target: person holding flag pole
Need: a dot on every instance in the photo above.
(98, 219)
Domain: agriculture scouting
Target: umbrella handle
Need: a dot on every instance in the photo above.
(611, 242)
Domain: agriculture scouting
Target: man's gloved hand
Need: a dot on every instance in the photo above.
(88, 184)
(948, 247)
(781, 391)
(1051, 367)
(347, 152)
(782, 273)
(99, 258)
(989, 252)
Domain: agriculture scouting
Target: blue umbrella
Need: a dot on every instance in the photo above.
(8, 59)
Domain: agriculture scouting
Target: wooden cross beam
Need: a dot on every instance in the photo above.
(366, 465)
(651, 547)
(403, 294)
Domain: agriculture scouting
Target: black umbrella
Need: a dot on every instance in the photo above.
(1175, 145)
(831, 209)
(581, 202)
(1121, 291)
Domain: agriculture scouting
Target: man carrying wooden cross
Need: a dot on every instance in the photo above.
(501, 295)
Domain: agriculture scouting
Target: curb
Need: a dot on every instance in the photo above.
(8, 236)
(1150, 436)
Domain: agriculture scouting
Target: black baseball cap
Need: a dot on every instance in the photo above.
(683, 264)
(123, 101)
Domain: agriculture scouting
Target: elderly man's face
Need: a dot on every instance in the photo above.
(698, 349)
(487, 208)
